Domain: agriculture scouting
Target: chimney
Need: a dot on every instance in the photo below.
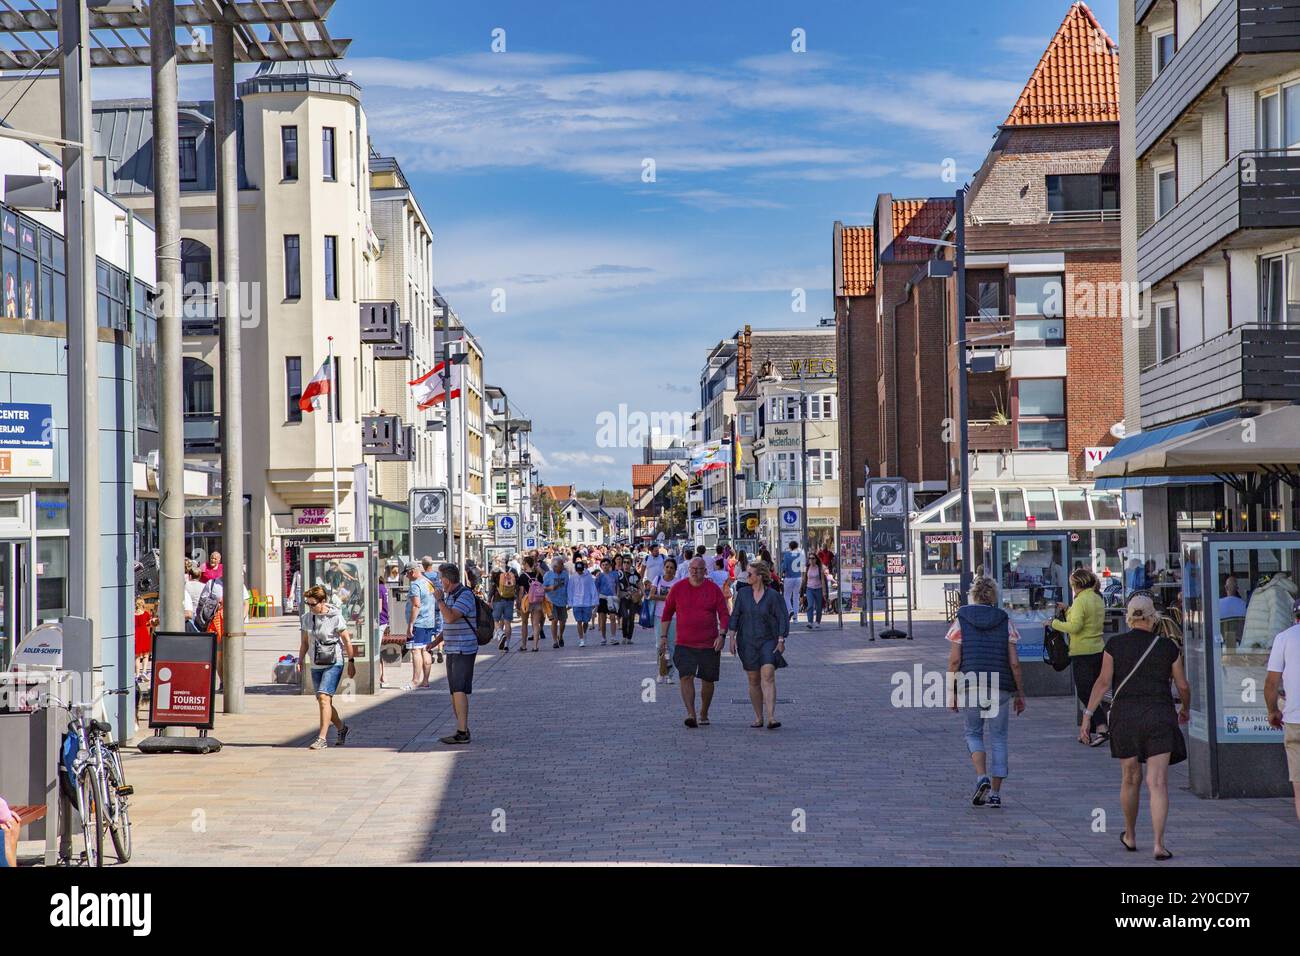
(742, 359)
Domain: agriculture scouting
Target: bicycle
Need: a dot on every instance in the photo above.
(94, 775)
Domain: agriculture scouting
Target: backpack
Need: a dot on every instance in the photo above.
(1056, 649)
(506, 591)
(536, 591)
(206, 608)
(484, 628)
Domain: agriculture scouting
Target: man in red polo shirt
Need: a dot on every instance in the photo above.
(701, 611)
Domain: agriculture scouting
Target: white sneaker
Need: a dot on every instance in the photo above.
(581, 642)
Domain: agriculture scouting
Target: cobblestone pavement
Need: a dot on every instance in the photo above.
(569, 762)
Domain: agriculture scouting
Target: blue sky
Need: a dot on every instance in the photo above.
(528, 164)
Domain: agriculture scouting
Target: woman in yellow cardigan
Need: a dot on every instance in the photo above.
(1084, 623)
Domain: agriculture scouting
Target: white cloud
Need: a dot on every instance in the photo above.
(580, 459)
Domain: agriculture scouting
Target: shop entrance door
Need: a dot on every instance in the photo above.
(1032, 575)
(15, 596)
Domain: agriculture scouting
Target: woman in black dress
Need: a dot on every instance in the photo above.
(1144, 727)
(757, 631)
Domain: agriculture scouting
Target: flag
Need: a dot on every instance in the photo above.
(427, 389)
(319, 387)
(710, 456)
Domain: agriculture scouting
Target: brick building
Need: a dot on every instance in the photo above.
(855, 357)
(1042, 323)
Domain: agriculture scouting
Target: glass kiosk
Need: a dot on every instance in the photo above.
(1031, 570)
(348, 571)
(1238, 593)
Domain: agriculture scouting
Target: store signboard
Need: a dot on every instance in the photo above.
(1092, 457)
(183, 682)
(313, 517)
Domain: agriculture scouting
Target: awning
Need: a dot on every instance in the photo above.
(1114, 472)
(1267, 444)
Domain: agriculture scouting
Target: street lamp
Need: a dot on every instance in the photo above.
(959, 248)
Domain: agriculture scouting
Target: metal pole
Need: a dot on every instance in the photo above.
(452, 553)
(966, 549)
(87, 552)
(334, 467)
(803, 466)
(232, 407)
(167, 203)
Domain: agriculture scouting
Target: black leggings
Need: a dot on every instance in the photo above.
(627, 614)
(1087, 668)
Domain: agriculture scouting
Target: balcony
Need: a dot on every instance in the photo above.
(1080, 229)
(990, 435)
(1233, 29)
(386, 438)
(403, 348)
(202, 434)
(1248, 363)
(199, 315)
(1236, 206)
(381, 323)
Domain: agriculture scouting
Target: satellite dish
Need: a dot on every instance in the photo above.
(1119, 430)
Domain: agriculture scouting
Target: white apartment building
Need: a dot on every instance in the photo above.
(308, 259)
(789, 406)
(714, 421)
(1211, 128)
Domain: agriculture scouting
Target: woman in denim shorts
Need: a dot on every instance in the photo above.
(324, 647)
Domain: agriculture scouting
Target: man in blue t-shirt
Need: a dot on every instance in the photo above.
(792, 578)
(556, 583)
(424, 625)
(459, 612)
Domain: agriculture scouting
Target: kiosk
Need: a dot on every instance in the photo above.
(1228, 632)
(349, 570)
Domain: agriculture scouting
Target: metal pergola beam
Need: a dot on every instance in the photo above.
(36, 19)
(282, 51)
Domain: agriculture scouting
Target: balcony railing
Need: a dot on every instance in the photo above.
(987, 435)
(387, 438)
(202, 434)
(199, 315)
(1234, 28)
(1083, 215)
(380, 323)
(1248, 363)
(1021, 331)
(756, 490)
(1259, 189)
(403, 348)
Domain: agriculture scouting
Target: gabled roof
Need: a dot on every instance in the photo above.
(643, 476)
(578, 504)
(1076, 81)
(927, 218)
(559, 492)
(855, 266)
(671, 471)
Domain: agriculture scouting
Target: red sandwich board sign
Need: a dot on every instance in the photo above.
(183, 685)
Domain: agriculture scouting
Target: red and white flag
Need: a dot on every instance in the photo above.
(317, 389)
(427, 389)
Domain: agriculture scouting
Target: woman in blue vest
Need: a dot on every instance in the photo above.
(984, 684)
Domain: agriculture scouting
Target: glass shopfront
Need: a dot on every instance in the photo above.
(33, 561)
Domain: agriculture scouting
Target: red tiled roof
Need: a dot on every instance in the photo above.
(920, 217)
(559, 492)
(643, 476)
(1076, 81)
(857, 255)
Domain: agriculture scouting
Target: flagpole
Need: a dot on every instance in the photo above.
(334, 466)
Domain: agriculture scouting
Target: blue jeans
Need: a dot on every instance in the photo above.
(816, 601)
(979, 727)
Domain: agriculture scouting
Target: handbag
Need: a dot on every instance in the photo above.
(647, 616)
(778, 660)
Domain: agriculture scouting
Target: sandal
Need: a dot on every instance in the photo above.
(691, 722)
(704, 721)
(1166, 855)
(1131, 849)
(773, 724)
(757, 725)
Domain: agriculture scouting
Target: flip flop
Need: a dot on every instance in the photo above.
(757, 725)
(691, 722)
(1166, 855)
(704, 721)
(773, 724)
(1131, 849)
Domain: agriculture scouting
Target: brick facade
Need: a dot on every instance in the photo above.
(859, 419)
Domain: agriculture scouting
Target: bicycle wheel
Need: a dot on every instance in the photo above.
(119, 815)
(92, 829)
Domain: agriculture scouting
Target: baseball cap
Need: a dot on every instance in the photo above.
(1142, 608)
(412, 566)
